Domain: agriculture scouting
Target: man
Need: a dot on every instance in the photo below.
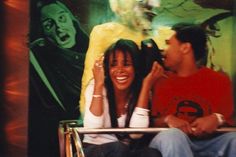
(57, 62)
(198, 87)
(133, 22)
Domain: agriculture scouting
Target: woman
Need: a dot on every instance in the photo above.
(111, 99)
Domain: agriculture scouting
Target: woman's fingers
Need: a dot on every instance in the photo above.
(159, 70)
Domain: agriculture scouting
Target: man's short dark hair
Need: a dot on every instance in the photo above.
(195, 35)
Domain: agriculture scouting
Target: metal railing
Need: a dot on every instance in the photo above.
(69, 132)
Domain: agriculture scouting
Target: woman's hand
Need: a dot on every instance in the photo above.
(98, 71)
(156, 72)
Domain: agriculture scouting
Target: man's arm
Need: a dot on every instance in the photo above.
(222, 111)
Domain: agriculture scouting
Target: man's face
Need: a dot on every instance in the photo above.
(173, 53)
(58, 26)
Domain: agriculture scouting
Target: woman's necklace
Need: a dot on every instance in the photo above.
(122, 104)
(122, 110)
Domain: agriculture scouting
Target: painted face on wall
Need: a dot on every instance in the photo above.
(121, 71)
(147, 6)
(58, 26)
(137, 12)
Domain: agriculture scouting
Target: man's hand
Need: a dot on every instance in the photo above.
(205, 125)
(175, 122)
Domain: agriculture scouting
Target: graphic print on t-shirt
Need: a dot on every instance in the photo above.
(189, 108)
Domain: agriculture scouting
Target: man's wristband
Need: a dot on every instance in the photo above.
(166, 119)
(220, 118)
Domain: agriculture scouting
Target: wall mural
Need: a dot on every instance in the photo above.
(63, 32)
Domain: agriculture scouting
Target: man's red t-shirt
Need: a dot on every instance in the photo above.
(200, 94)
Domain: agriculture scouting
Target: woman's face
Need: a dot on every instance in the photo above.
(121, 71)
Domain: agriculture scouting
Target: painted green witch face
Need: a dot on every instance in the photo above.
(58, 26)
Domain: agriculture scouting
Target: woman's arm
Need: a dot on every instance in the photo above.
(140, 117)
(96, 106)
(156, 72)
(94, 98)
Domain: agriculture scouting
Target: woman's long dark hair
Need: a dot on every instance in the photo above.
(127, 47)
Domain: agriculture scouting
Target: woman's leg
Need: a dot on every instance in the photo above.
(113, 149)
(146, 152)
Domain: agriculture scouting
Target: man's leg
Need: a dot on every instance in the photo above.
(172, 143)
(220, 146)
